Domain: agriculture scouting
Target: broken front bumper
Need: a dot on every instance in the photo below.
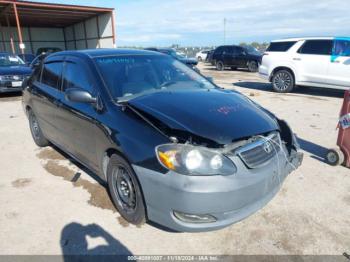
(227, 199)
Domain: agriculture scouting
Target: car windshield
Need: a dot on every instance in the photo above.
(10, 60)
(252, 50)
(134, 75)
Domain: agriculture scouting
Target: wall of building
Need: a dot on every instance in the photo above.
(96, 32)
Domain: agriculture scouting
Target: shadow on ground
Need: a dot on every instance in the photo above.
(311, 91)
(318, 152)
(15, 96)
(79, 242)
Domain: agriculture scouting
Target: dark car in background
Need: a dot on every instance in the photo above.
(209, 57)
(191, 62)
(44, 50)
(27, 58)
(13, 71)
(234, 56)
(172, 147)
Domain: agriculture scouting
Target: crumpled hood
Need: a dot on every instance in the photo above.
(15, 70)
(217, 115)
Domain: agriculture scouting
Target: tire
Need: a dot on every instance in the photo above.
(335, 157)
(220, 66)
(200, 59)
(125, 190)
(35, 129)
(253, 66)
(283, 81)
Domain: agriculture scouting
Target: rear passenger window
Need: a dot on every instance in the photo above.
(316, 47)
(76, 77)
(280, 46)
(51, 74)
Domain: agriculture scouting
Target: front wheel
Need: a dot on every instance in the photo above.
(125, 190)
(253, 66)
(220, 66)
(35, 129)
(200, 59)
(283, 81)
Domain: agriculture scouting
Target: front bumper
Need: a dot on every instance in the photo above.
(6, 87)
(228, 198)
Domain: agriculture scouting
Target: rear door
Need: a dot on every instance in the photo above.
(44, 96)
(339, 69)
(77, 120)
(240, 57)
(312, 61)
(228, 55)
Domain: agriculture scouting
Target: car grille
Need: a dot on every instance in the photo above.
(259, 152)
(14, 77)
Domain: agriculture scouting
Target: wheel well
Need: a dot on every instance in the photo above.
(281, 68)
(105, 159)
(28, 108)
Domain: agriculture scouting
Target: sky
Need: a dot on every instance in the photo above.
(201, 22)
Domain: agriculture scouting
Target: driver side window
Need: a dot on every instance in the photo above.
(75, 76)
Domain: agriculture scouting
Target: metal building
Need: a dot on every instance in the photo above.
(26, 26)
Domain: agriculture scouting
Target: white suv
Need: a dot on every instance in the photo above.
(316, 61)
(202, 55)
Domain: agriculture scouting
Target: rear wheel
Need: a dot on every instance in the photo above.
(220, 65)
(253, 66)
(125, 190)
(283, 81)
(335, 157)
(35, 129)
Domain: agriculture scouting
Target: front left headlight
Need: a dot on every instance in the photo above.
(194, 160)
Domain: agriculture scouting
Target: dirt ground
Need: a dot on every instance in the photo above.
(51, 205)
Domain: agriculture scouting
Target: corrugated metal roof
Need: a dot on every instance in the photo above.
(36, 14)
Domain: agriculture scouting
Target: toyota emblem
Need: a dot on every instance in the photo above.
(267, 147)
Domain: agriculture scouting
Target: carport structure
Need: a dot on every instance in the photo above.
(26, 26)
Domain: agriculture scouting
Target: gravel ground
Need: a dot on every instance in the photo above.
(51, 205)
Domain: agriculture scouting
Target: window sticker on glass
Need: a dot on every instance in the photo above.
(341, 48)
(13, 59)
(345, 121)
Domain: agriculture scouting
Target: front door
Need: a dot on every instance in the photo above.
(77, 120)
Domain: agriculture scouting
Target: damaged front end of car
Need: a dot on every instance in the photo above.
(218, 172)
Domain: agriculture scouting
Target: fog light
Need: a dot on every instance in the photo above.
(192, 218)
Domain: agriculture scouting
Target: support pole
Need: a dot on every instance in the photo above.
(21, 46)
(3, 38)
(11, 35)
(113, 29)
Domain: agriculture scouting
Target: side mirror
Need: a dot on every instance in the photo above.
(79, 95)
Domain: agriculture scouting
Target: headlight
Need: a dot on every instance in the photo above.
(2, 78)
(194, 160)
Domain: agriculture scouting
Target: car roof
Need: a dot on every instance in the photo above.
(105, 52)
(305, 38)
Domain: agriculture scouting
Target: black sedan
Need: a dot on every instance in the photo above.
(172, 147)
(13, 71)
